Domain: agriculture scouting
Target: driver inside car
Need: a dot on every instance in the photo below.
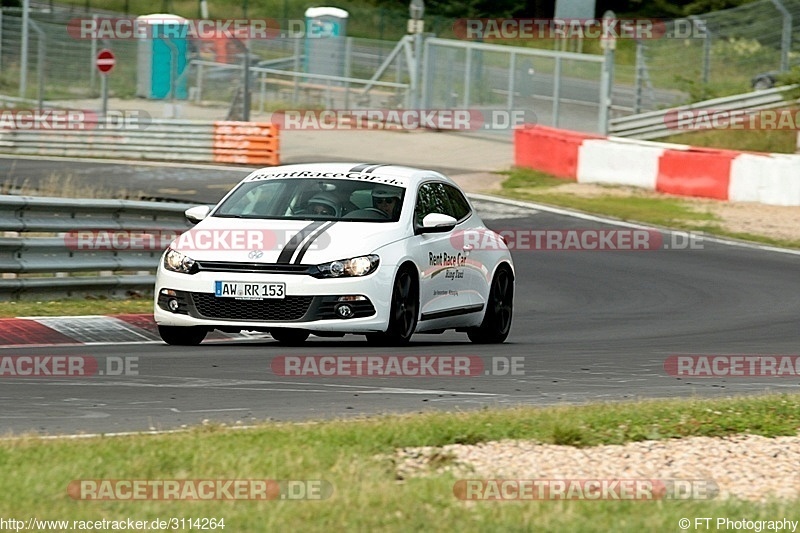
(387, 201)
(324, 204)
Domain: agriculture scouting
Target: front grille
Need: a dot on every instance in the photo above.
(261, 268)
(289, 308)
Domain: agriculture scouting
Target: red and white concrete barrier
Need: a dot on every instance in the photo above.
(670, 168)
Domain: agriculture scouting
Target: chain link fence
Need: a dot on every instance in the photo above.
(719, 53)
(59, 67)
(722, 52)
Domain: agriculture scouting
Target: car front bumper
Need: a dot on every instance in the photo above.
(310, 303)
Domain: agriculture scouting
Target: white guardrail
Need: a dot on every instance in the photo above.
(662, 123)
(66, 246)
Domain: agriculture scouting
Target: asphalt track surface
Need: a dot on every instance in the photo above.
(589, 326)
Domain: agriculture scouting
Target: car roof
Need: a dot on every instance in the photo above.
(398, 175)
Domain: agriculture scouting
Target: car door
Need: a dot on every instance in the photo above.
(444, 287)
(467, 237)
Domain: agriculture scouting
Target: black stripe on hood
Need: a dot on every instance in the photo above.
(313, 238)
(291, 246)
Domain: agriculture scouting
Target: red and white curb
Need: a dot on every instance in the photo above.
(668, 168)
(87, 330)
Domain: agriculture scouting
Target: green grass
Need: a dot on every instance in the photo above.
(74, 306)
(533, 185)
(355, 457)
(769, 141)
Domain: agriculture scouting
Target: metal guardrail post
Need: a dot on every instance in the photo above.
(418, 43)
(512, 67)
(467, 77)
(199, 93)
(556, 92)
(606, 78)
(23, 59)
(348, 52)
(427, 82)
(40, 54)
(93, 56)
(246, 87)
(786, 34)
(701, 27)
(707, 57)
(297, 56)
(262, 91)
(639, 80)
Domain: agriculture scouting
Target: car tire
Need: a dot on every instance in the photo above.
(182, 336)
(290, 337)
(403, 312)
(499, 310)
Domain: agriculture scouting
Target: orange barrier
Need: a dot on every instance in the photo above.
(249, 143)
(548, 149)
(695, 172)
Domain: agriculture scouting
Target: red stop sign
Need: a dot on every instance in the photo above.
(105, 61)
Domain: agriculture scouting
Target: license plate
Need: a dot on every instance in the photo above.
(249, 291)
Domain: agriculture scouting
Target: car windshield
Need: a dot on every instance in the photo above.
(302, 198)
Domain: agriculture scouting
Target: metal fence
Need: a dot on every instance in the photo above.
(560, 89)
(708, 55)
(56, 66)
(722, 51)
(66, 247)
(368, 73)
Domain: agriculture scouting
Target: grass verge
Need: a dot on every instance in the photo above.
(353, 456)
(640, 206)
(69, 307)
(768, 141)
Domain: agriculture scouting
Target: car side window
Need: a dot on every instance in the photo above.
(459, 204)
(431, 198)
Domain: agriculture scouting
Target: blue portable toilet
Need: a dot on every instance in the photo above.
(162, 55)
(326, 28)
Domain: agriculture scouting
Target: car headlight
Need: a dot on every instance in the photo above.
(178, 262)
(353, 267)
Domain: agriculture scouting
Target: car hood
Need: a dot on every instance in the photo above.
(284, 241)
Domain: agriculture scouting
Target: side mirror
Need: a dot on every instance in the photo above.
(197, 213)
(437, 223)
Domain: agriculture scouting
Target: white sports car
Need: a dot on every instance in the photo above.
(334, 248)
